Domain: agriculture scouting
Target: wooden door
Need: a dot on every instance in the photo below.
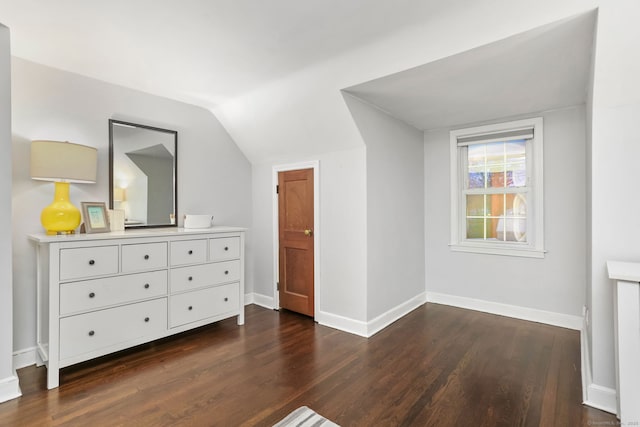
(295, 231)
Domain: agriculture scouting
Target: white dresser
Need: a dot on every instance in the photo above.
(100, 293)
(626, 325)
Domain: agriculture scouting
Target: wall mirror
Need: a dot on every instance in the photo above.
(143, 174)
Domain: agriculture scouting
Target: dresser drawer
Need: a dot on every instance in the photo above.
(198, 276)
(79, 263)
(188, 252)
(202, 304)
(102, 329)
(100, 293)
(224, 248)
(144, 256)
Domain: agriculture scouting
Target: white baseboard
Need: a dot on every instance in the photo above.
(603, 398)
(10, 388)
(263, 301)
(585, 361)
(370, 328)
(345, 324)
(24, 357)
(248, 299)
(385, 319)
(594, 395)
(525, 313)
(331, 320)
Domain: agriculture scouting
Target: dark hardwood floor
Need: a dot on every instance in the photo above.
(438, 366)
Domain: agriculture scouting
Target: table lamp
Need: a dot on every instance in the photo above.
(119, 194)
(62, 163)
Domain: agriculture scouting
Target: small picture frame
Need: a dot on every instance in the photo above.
(95, 217)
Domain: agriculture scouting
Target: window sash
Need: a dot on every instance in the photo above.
(460, 139)
(464, 191)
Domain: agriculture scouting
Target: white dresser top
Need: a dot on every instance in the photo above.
(132, 233)
(627, 271)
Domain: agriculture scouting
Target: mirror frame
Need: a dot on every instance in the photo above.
(175, 169)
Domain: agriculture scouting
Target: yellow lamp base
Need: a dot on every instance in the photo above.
(60, 217)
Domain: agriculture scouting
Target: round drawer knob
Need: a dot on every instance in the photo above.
(226, 248)
(226, 272)
(146, 319)
(190, 307)
(92, 294)
(190, 252)
(91, 262)
(91, 333)
(190, 278)
(146, 286)
(226, 299)
(146, 257)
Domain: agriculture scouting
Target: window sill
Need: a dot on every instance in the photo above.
(498, 250)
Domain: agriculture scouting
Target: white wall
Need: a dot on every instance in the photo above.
(371, 222)
(302, 115)
(213, 175)
(614, 157)
(395, 208)
(554, 284)
(8, 381)
(343, 280)
(586, 336)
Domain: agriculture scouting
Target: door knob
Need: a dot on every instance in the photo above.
(308, 232)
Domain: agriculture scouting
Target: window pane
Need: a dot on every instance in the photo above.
(515, 151)
(475, 155)
(496, 179)
(475, 205)
(497, 165)
(495, 204)
(516, 175)
(517, 205)
(476, 179)
(475, 228)
(512, 230)
(515, 158)
(476, 164)
(495, 152)
(497, 216)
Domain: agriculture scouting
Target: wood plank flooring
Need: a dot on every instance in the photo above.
(438, 366)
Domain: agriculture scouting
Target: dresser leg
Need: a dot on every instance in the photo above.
(53, 377)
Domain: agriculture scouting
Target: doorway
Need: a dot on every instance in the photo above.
(296, 235)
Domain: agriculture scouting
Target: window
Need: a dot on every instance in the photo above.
(496, 189)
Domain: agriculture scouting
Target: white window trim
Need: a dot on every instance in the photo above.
(535, 223)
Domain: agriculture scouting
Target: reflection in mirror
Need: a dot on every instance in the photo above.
(142, 174)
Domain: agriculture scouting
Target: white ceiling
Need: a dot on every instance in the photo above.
(542, 69)
(213, 52)
(199, 51)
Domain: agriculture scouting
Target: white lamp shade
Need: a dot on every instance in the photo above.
(63, 161)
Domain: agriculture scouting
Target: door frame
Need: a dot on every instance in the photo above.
(315, 165)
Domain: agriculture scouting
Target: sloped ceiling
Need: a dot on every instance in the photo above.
(272, 71)
(199, 51)
(542, 69)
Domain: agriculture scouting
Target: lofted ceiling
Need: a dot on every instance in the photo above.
(272, 70)
(202, 52)
(542, 69)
